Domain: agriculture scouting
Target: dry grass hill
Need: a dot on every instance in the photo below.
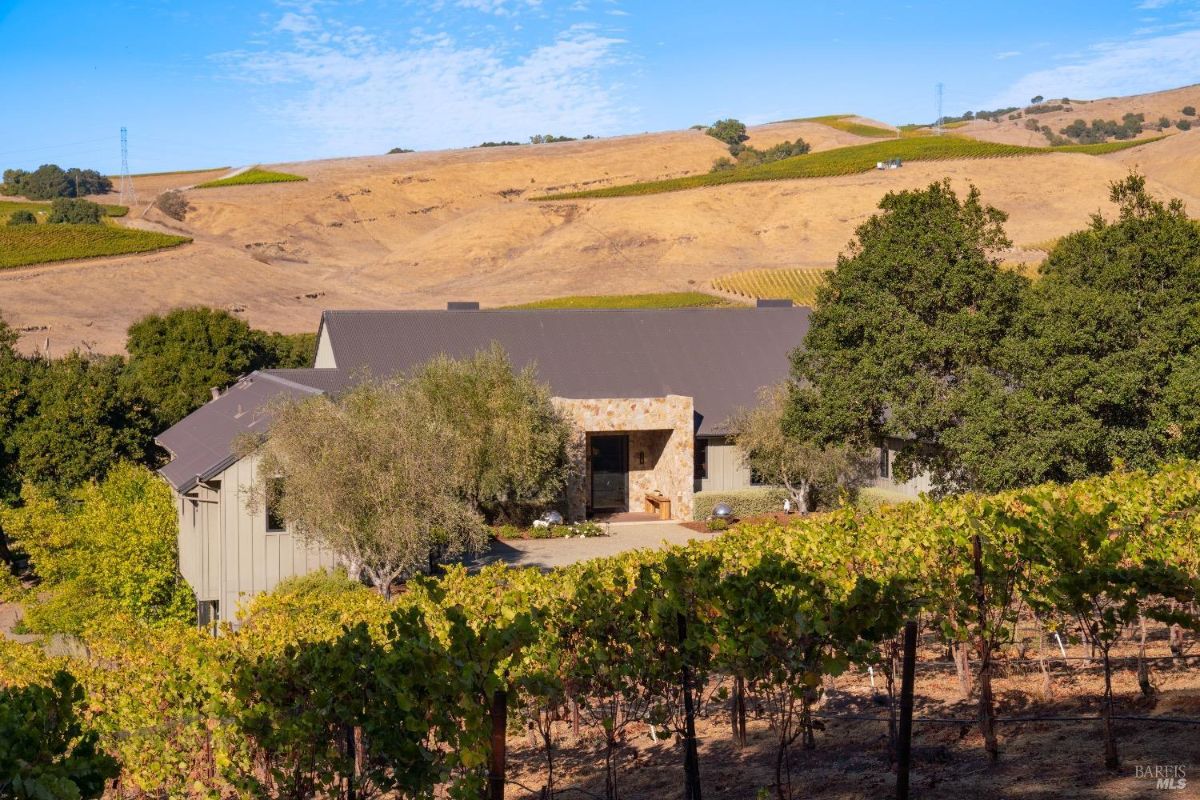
(415, 230)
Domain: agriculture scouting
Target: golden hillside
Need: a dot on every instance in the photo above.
(416, 230)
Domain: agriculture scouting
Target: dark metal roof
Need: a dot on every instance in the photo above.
(718, 356)
(201, 444)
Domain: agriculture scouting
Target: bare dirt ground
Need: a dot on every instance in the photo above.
(850, 760)
(416, 230)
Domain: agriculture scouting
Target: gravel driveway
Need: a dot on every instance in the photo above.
(548, 553)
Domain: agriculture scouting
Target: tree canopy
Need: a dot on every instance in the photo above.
(65, 421)
(50, 181)
(1105, 353)
(176, 359)
(77, 212)
(371, 476)
(995, 381)
(806, 468)
(516, 456)
(917, 304)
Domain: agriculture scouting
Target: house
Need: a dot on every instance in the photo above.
(648, 390)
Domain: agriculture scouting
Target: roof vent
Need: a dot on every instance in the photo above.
(768, 302)
(462, 305)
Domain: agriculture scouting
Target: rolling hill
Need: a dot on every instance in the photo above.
(418, 229)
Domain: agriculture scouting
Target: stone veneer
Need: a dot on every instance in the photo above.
(660, 428)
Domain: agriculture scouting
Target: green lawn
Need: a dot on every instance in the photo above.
(250, 176)
(848, 161)
(42, 210)
(660, 300)
(38, 244)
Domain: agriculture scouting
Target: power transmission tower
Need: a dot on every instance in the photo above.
(128, 195)
(937, 126)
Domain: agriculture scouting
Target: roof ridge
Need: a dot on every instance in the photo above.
(268, 374)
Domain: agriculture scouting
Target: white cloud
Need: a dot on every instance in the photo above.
(1007, 54)
(1116, 68)
(352, 92)
(498, 7)
(1153, 4)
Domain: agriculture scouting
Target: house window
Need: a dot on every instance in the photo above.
(208, 612)
(885, 462)
(275, 522)
(700, 460)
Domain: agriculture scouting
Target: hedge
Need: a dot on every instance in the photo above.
(744, 502)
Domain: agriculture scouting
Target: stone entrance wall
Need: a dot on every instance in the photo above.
(661, 434)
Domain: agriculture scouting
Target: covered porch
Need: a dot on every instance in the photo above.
(632, 449)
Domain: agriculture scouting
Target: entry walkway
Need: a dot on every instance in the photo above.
(549, 553)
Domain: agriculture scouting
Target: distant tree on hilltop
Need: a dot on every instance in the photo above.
(50, 181)
(730, 131)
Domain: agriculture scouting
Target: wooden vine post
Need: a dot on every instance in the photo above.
(987, 715)
(496, 759)
(907, 679)
(691, 756)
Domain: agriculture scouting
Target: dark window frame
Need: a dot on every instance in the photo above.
(885, 461)
(274, 522)
(700, 460)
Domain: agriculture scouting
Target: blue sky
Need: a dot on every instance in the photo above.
(219, 82)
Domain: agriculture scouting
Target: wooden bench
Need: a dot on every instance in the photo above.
(658, 504)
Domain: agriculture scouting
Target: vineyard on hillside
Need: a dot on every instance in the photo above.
(329, 688)
(798, 284)
(41, 210)
(39, 244)
(845, 122)
(252, 176)
(652, 300)
(848, 161)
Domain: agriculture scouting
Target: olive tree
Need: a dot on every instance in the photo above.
(801, 465)
(372, 476)
(517, 447)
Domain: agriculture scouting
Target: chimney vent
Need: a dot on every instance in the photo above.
(462, 305)
(767, 302)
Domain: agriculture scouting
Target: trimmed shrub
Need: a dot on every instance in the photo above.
(1188, 111)
(1183, 125)
(22, 217)
(744, 502)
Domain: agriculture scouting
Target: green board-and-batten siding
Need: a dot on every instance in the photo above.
(225, 550)
(725, 469)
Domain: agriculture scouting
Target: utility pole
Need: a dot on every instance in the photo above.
(128, 195)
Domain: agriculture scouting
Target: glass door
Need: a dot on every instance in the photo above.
(609, 472)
